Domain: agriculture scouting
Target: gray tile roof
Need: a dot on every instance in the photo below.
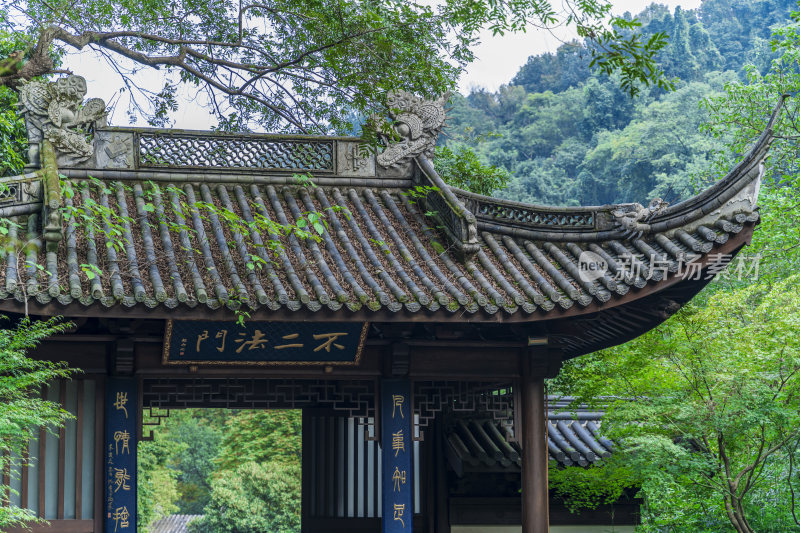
(379, 252)
(174, 523)
(483, 445)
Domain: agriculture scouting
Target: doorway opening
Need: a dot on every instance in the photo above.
(208, 467)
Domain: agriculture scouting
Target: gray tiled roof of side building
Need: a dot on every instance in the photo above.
(174, 523)
(483, 445)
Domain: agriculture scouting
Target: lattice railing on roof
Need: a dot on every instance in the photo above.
(216, 151)
(10, 192)
(496, 210)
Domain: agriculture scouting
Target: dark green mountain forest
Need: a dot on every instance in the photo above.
(570, 137)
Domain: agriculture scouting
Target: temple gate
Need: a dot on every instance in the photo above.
(415, 331)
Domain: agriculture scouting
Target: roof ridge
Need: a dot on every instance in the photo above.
(459, 222)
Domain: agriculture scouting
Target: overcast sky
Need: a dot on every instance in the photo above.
(497, 61)
(499, 58)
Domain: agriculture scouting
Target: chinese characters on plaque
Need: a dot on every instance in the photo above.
(120, 455)
(217, 342)
(397, 449)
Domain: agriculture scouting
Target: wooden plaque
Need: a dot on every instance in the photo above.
(204, 342)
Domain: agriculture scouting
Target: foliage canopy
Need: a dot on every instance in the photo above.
(706, 403)
(303, 66)
(256, 497)
(568, 136)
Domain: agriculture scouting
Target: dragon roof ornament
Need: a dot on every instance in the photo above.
(55, 112)
(633, 219)
(416, 126)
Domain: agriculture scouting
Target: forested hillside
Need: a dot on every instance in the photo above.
(571, 137)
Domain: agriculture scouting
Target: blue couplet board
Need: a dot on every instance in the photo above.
(397, 453)
(120, 455)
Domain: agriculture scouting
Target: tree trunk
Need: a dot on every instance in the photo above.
(736, 515)
(732, 515)
(38, 64)
(742, 518)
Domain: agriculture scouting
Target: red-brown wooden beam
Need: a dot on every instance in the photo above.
(535, 517)
(24, 491)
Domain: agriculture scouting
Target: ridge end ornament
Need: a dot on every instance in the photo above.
(633, 219)
(416, 125)
(55, 111)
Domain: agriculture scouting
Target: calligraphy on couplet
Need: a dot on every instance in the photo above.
(216, 342)
(120, 455)
(397, 456)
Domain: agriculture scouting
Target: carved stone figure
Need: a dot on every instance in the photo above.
(416, 123)
(55, 111)
(633, 218)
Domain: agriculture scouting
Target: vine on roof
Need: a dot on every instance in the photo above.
(112, 225)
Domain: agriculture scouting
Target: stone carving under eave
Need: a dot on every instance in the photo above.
(416, 124)
(54, 111)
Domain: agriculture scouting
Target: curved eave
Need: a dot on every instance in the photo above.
(616, 325)
(514, 218)
(575, 331)
(749, 169)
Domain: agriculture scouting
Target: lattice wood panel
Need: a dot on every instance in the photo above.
(496, 400)
(355, 398)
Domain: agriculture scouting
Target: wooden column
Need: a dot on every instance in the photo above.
(534, 454)
(440, 483)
